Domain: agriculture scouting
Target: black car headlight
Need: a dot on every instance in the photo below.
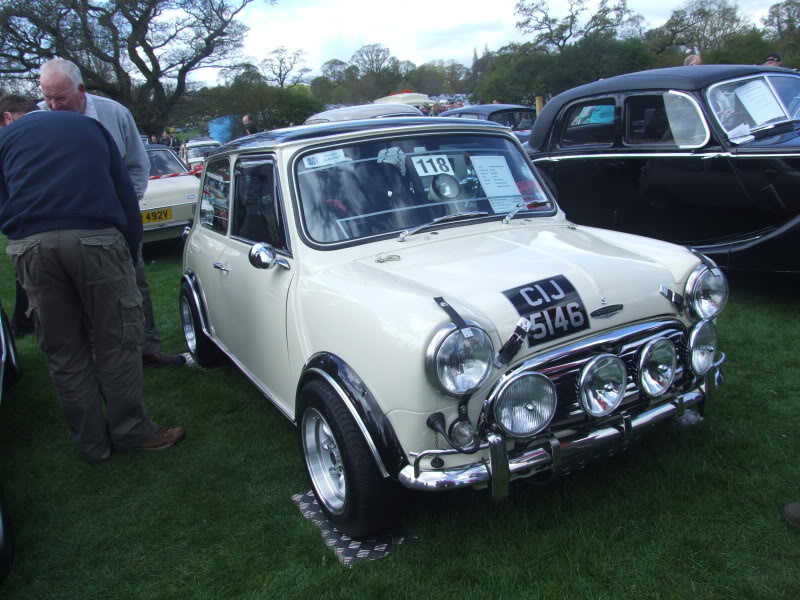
(706, 292)
(458, 362)
(525, 405)
(702, 347)
(602, 383)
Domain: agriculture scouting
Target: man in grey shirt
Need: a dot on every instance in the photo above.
(63, 89)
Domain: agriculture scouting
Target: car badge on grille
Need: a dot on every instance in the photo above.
(606, 311)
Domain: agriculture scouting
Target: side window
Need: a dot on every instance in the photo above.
(589, 123)
(666, 118)
(257, 213)
(215, 202)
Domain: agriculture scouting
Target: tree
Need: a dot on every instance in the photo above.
(552, 32)
(279, 66)
(372, 59)
(139, 52)
(782, 24)
(334, 70)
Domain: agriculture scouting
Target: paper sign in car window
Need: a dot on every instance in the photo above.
(322, 159)
(432, 164)
(759, 102)
(497, 182)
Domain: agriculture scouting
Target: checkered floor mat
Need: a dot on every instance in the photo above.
(348, 550)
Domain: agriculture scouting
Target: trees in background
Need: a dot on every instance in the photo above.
(139, 52)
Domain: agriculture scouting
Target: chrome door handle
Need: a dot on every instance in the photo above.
(221, 267)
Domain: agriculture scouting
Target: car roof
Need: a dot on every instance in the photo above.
(324, 130)
(691, 78)
(485, 109)
(363, 111)
(202, 141)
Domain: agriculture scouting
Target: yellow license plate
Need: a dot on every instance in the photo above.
(153, 216)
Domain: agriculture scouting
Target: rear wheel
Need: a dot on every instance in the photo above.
(343, 474)
(13, 370)
(204, 351)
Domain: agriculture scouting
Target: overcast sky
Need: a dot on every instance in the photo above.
(336, 29)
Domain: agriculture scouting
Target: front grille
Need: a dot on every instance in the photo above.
(563, 367)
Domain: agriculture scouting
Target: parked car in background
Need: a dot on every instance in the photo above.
(519, 118)
(408, 293)
(408, 98)
(363, 111)
(169, 202)
(196, 149)
(10, 372)
(707, 156)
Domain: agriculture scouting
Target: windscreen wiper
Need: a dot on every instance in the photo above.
(437, 221)
(520, 206)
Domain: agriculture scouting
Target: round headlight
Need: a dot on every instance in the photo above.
(706, 292)
(462, 432)
(525, 405)
(657, 365)
(446, 186)
(602, 385)
(457, 364)
(702, 347)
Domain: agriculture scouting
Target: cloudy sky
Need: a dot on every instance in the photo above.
(326, 29)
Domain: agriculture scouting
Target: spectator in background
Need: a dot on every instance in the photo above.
(773, 60)
(692, 60)
(425, 110)
(250, 125)
(153, 139)
(63, 89)
(69, 209)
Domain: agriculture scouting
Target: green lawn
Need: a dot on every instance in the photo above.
(687, 514)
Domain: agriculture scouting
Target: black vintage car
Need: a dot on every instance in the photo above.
(707, 156)
(519, 118)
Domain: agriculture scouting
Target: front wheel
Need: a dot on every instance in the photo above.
(343, 474)
(203, 350)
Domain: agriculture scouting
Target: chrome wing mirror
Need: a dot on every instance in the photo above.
(263, 256)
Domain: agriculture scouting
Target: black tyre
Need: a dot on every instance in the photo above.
(204, 351)
(343, 474)
(6, 539)
(13, 370)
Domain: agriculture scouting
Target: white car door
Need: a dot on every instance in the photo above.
(253, 322)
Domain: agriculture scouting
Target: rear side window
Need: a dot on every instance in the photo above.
(589, 124)
(669, 118)
(215, 201)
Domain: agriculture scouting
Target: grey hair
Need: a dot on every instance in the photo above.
(64, 67)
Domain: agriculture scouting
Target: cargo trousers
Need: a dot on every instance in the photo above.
(88, 317)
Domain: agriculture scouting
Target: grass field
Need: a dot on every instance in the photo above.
(688, 513)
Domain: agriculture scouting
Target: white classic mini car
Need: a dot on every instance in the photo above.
(409, 294)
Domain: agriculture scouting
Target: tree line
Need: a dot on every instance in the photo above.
(142, 52)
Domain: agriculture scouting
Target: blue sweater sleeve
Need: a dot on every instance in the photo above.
(126, 195)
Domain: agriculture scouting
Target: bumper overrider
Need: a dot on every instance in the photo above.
(552, 454)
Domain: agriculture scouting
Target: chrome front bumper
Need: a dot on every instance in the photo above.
(501, 467)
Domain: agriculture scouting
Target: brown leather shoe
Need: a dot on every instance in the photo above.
(163, 438)
(162, 359)
(791, 512)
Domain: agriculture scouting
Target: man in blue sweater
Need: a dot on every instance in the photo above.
(70, 212)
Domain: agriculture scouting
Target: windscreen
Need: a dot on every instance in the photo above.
(164, 162)
(378, 187)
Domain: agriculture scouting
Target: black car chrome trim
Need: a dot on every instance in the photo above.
(619, 155)
(373, 423)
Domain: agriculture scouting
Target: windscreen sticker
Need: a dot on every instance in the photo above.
(432, 164)
(497, 182)
(322, 159)
(393, 156)
(553, 307)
